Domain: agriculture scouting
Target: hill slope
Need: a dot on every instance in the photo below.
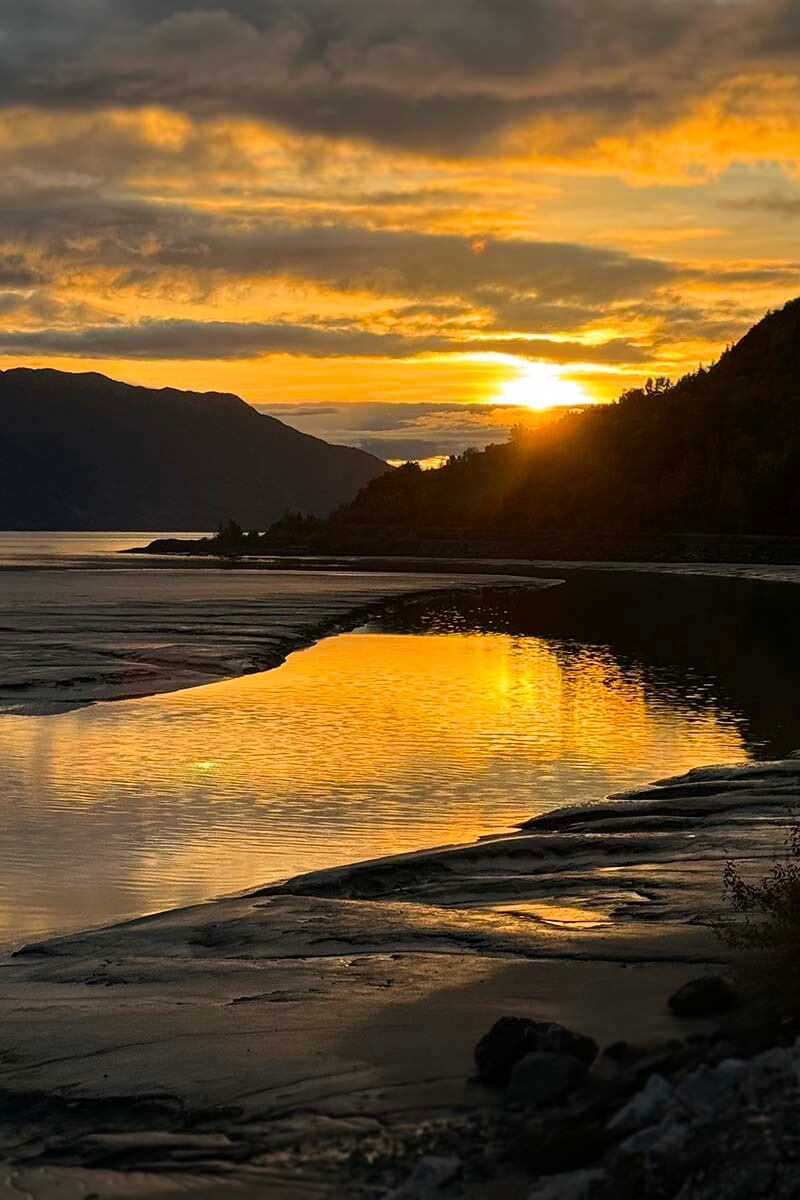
(717, 453)
(86, 452)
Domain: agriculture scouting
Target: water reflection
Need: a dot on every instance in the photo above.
(29, 548)
(366, 744)
(728, 645)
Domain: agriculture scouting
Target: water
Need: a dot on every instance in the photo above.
(365, 744)
(443, 722)
(25, 548)
(69, 637)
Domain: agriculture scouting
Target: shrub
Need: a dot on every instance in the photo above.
(762, 923)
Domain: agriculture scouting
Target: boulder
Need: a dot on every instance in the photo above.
(704, 997)
(578, 1185)
(428, 1179)
(543, 1078)
(511, 1038)
(647, 1107)
(710, 1090)
(548, 1146)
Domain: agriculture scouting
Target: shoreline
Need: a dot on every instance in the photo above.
(313, 1038)
(136, 663)
(275, 1041)
(341, 539)
(159, 665)
(779, 572)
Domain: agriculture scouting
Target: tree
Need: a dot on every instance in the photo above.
(229, 535)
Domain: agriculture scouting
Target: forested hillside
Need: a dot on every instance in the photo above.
(718, 452)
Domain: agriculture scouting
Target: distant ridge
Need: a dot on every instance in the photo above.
(716, 455)
(81, 451)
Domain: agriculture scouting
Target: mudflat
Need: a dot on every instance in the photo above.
(315, 1038)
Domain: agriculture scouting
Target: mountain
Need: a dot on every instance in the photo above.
(717, 453)
(86, 452)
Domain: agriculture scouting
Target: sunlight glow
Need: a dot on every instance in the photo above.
(428, 464)
(539, 385)
(205, 765)
(348, 730)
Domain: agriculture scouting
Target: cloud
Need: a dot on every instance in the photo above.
(199, 340)
(16, 271)
(328, 179)
(450, 77)
(778, 203)
(408, 430)
(530, 314)
(202, 340)
(556, 301)
(138, 238)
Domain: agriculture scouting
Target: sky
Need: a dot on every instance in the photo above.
(405, 225)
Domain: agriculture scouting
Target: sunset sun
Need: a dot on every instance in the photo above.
(537, 386)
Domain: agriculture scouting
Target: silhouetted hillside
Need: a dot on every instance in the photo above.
(717, 453)
(85, 452)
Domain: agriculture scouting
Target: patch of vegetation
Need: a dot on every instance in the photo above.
(762, 923)
(230, 538)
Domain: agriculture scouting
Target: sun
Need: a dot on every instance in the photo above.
(537, 386)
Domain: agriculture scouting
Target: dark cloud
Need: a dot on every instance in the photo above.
(306, 410)
(199, 340)
(16, 271)
(779, 203)
(529, 314)
(449, 76)
(455, 288)
(409, 430)
(392, 417)
(11, 302)
(141, 240)
(780, 274)
(430, 311)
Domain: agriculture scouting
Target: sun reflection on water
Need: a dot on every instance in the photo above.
(365, 744)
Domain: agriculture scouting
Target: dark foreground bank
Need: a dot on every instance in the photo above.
(319, 539)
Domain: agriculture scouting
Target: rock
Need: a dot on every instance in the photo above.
(704, 997)
(578, 1185)
(709, 1089)
(555, 1039)
(622, 1053)
(665, 1140)
(428, 1178)
(542, 1078)
(726, 1131)
(616, 1060)
(511, 1038)
(548, 1147)
(647, 1107)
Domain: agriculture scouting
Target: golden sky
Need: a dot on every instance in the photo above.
(398, 224)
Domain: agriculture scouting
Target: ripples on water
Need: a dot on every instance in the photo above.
(363, 745)
(447, 721)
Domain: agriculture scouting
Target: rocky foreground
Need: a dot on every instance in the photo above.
(318, 1038)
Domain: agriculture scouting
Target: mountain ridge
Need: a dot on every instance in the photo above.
(84, 451)
(716, 453)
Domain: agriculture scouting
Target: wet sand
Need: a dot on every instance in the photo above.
(69, 638)
(152, 625)
(282, 1043)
